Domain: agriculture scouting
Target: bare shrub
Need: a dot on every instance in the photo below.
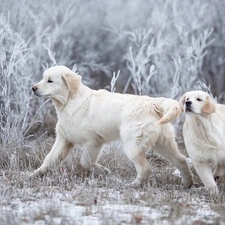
(161, 51)
(14, 103)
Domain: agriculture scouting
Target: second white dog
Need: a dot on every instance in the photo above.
(92, 118)
(203, 132)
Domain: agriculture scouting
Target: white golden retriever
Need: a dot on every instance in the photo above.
(92, 118)
(203, 132)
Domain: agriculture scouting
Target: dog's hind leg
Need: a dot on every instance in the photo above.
(169, 150)
(138, 157)
(59, 151)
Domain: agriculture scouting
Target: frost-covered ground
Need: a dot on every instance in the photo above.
(69, 195)
(58, 211)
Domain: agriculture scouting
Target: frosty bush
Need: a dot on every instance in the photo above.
(14, 100)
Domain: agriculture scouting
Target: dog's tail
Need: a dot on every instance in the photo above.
(167, 112)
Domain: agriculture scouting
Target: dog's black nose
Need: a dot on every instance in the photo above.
(188, 103)
(34, 88)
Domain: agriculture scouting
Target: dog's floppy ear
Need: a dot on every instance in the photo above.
(181, 102)
(209, 106)
(73, 82)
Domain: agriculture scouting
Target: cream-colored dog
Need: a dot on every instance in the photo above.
(92, 118)
(203, 132)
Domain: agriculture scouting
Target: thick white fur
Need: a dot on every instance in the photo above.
(203, 132)
(92, 118)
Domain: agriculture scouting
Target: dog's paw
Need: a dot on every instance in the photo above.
(105, 170)
(97, 168)
(36, 173)
(187, 179)
(136, 183)
(213, 190)
(27, 175)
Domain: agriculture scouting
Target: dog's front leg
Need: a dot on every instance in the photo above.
(205, 173)
(59, 151)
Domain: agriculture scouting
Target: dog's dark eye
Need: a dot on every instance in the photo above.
(50, 81)
(187, 99)
(198, 99)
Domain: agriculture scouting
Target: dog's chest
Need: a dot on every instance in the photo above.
(73, 130)
(204, 139)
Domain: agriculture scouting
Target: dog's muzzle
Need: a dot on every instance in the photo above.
(188, 106)
(35, 90)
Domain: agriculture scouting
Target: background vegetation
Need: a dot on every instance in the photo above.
(146, 47)
(160, 48)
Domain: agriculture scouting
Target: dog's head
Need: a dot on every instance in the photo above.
(57, 83)
(197, 102)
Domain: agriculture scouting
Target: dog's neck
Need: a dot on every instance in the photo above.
(203, 128)
(60, 101)
(199, 120)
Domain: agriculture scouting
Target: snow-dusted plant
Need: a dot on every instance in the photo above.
(113, 81)
(14, 93)
(140, 61)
